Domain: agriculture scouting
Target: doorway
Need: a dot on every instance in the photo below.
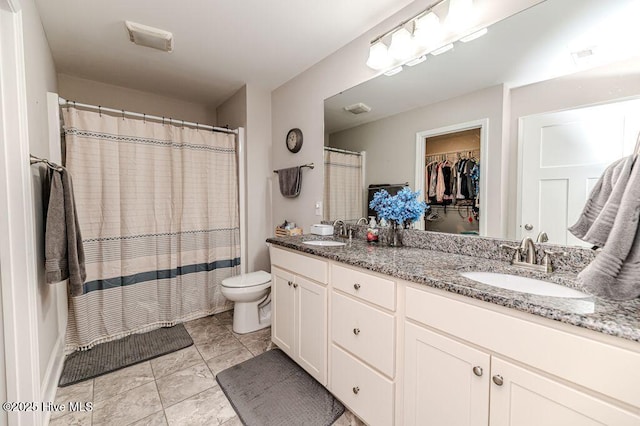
(449, 177)
(561, 157)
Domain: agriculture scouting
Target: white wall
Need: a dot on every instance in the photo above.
(601, 85)
(299, 103)
(250, 107)
(391, 143)
(111, 96)
(3, 370)
(51, 300)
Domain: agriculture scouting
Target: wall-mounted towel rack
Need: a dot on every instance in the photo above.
(310, 165)
(36, 160)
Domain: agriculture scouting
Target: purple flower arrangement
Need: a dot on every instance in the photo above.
(402, 208)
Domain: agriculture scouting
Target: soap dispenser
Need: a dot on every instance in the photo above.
(372, 231)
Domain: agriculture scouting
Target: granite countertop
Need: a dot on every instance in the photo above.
(441, 270)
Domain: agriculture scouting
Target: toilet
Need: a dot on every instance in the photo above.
(252, 297)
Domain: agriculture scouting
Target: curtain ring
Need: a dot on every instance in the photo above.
(99, 110)
(144, 118)
(163, 120)
(197, 127)
(123, 114)
(183, 124)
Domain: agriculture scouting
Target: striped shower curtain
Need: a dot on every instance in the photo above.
(158, 211)
(343, 186)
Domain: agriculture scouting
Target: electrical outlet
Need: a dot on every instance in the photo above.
(318, 208)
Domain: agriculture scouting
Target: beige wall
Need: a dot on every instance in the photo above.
(391, 143)
(51, 299)
(111, 96)
(250, 107)
(259, 176)
(299, 103)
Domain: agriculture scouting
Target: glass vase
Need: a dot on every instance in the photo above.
(395, 236)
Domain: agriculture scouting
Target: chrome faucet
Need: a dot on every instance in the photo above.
(343, 233)
(362, 218)
(525, 256)
(528, 251)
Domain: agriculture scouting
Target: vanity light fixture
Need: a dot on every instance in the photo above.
(409, 42)
(460, 15)
(402, 46)
(474, 35)
(393, 71)
(378, 56)
(417, 60)
(428, 31)
(443, 49)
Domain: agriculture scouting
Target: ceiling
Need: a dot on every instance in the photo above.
(219, 45)
(529, 47)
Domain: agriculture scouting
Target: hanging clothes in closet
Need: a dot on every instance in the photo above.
(453, 183)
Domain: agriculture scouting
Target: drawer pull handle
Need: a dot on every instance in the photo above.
(356, 286)
(295, 286)
(498, 380)
(289, 282)
(356, 390)
(477, 371)
(356, 331)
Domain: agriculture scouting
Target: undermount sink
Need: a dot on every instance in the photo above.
(524, 285)
(324, 243)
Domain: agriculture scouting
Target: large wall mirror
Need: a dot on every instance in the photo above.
(541, 105)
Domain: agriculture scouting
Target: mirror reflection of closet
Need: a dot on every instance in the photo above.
(452, 182)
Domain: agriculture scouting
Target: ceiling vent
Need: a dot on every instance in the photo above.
(358, 108)
(144, 35)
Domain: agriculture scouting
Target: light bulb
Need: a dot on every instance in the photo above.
(460, 15)
(378, 56)
(428, 31)
(402, 47)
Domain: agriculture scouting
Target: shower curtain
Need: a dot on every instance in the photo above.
(343, 186)
(158, 212)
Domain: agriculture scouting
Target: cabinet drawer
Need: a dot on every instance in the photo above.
(367, 393)
(379, 291)
(302, 265)
(365, 331)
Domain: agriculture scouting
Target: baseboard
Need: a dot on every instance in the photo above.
(52, 375)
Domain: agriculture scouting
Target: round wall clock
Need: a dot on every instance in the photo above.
(294, 140)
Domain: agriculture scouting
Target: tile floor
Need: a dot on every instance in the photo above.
(175, 389)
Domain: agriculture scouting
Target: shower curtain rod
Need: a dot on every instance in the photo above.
(67, 103)
(344, 151)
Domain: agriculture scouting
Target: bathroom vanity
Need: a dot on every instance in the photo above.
(400, 337)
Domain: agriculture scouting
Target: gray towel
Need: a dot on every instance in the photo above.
(64, 254)
(610, 219)
(290, 181)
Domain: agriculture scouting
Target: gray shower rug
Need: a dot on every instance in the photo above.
(272, 390)
(111, 356)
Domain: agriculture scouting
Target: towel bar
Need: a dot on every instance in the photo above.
(310, 165)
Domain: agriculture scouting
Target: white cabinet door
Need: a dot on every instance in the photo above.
(446, 382)
(311, 321)
(283, 299)
(528, 399)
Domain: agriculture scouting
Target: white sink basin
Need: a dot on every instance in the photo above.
(524, 285)
(324, 243)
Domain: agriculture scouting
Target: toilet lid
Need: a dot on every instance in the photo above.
(247, 280)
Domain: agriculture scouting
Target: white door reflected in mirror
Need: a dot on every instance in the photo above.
(563, 156)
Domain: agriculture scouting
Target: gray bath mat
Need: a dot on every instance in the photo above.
(272, 390)
(111, 356)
